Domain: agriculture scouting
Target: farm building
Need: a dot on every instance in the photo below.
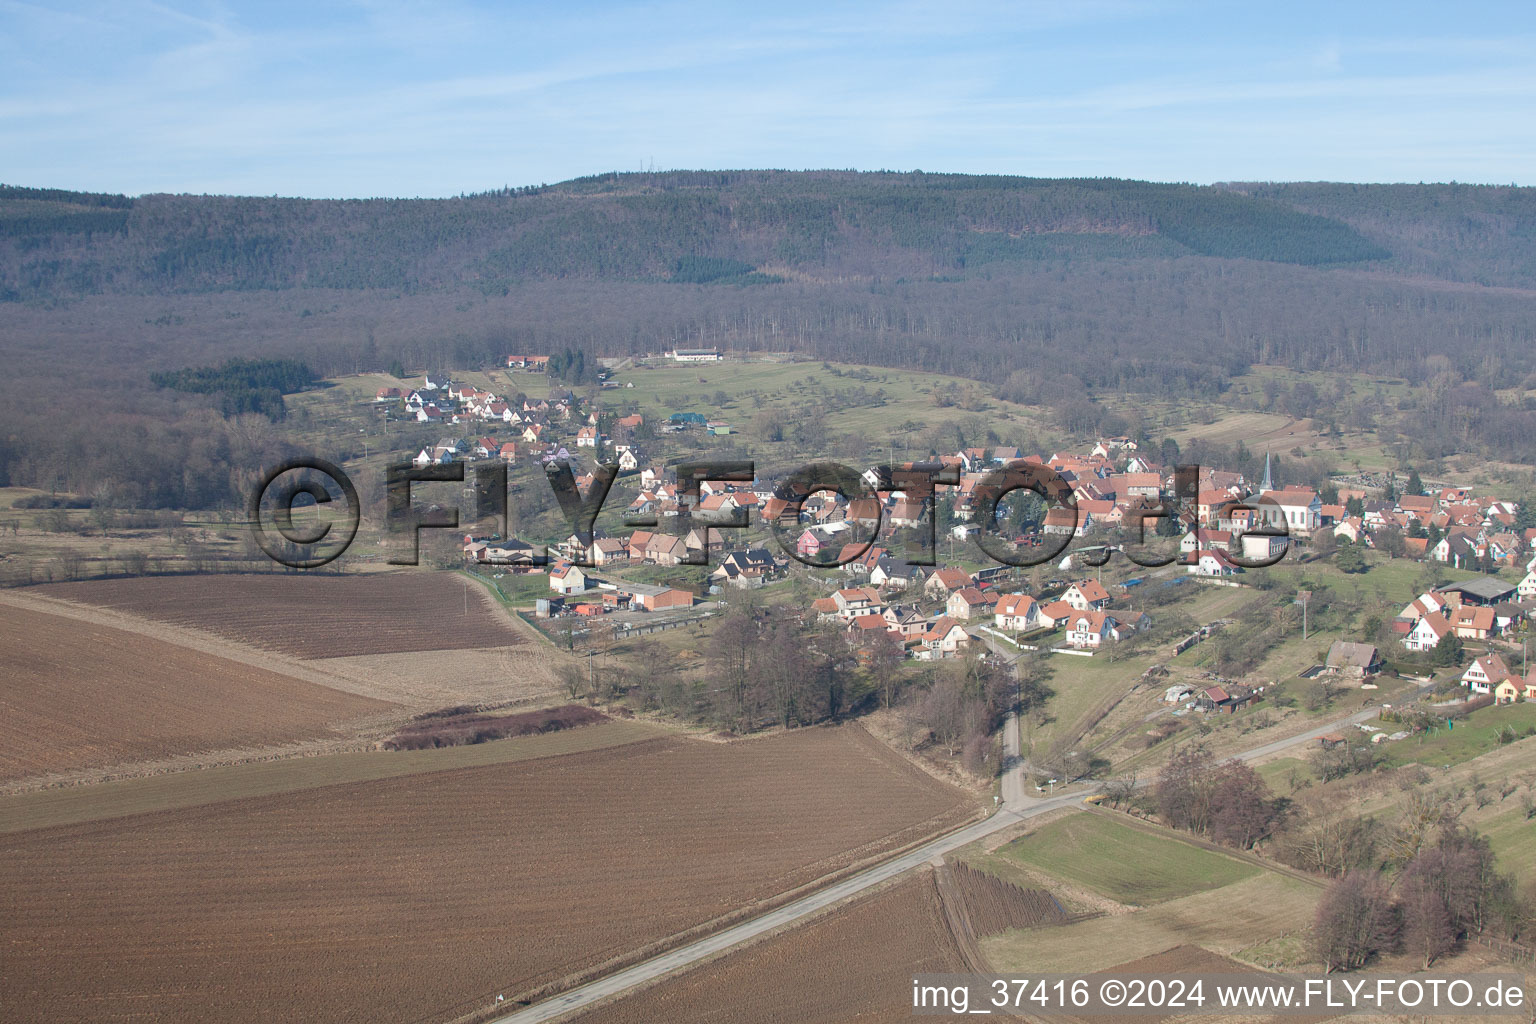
(655, 598)
(1354, 660)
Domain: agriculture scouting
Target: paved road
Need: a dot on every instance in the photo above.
(1016, 807)
(695, 951)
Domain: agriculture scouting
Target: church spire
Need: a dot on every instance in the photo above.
(1269, 478)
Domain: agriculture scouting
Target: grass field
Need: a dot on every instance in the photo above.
(1389, 581)
(907, 406)
(1513, 837)
(1084, 685)
(1227, 919)
(1476, 734)
(1124, 863)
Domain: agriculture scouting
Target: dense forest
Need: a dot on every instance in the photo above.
(1055, 290)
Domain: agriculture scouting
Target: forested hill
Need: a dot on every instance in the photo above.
(1051, 292)
(1096, 283)
(700, 226)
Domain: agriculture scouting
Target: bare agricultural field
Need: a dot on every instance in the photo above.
(855, 963)
(314, 616)
(427, 895)
(121, 798)
(81, 696)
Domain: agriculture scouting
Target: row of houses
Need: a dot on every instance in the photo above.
(1476, 609)
(1490, 675)
(1081, 612)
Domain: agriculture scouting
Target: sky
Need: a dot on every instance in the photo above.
(435, 99)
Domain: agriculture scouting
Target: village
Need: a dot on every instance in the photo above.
(936, 611)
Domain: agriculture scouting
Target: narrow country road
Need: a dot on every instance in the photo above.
(1016, 806)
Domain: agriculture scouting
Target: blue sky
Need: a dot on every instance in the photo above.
(423, 99)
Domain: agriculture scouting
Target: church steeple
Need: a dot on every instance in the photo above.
(1269, 478)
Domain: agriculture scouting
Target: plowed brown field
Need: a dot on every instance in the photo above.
(310, 616)
(856, 963)
(76, 695)
(418, 897)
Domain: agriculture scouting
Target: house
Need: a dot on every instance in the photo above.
(658, 549)
(906, 621)
(945, 636)
(1485, 673)
(970, 603)
(607, 551)
(1018, 612)
(856, 601)
(945, 582)
(861, 559)
(388, 395)
(1473, 623)
(1455, 549)
(1507, 692)
(1054, 614)
(1091, 629)
(824, 608)
(888, 575)
(1202, 538)
(1350, 528)
(1087, 595)
(586, 437)
(1423, 605)
(1136, 485)
(566, 578)
(1213, 563)
(812, 542)
(906, 513)
(1220, 698)
(1353, 660)
(752, 563)
(1427, 632)
(1527, 588)
(868, 624)
(1060, 521)
(512, 552)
